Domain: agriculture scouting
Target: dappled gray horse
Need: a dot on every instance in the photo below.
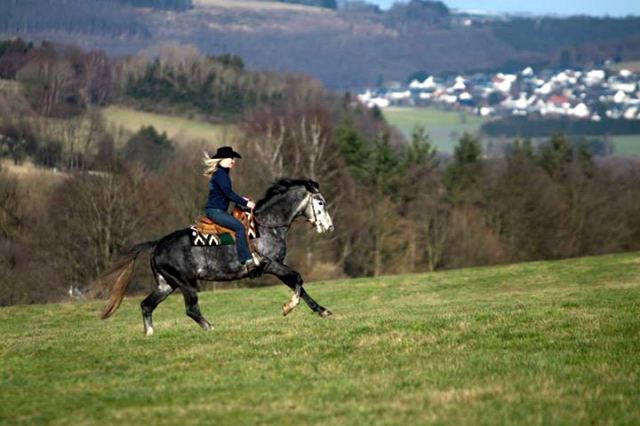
(176, 263)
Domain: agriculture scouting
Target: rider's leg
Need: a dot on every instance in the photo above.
(225, 219)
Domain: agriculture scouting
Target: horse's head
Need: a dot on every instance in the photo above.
(316, 210)
(287, 199)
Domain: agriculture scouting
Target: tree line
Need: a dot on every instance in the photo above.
(89, 17)
(525, 127)
(398, 205)
(65, 81)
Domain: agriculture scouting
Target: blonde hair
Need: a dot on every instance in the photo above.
(211, 164)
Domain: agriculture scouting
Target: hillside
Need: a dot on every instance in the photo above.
(533, 343)
(345, 49)
(178, 129)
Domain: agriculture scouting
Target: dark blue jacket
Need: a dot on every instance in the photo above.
(220, 192)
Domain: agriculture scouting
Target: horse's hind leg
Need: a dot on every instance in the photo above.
(161, 292)
(191, 304)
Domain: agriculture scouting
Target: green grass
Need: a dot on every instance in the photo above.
(627, 144)
(632, 65)
(177, 128)
(536, 343)
(444, 127)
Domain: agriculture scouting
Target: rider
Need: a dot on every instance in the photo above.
(220, 194)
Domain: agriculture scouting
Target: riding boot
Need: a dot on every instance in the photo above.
(252, 270)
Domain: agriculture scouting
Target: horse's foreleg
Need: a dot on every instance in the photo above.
(315, 306)
(294, 281)
(293, 302)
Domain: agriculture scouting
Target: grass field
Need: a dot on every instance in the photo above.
(630, 65)
(177, 128)
(627, 144)
(445, 128)
(536, 343)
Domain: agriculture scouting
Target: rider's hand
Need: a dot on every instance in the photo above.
(251, 205)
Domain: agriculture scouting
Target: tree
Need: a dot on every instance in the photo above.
(464, 173)
(102, 215)
(556, 155)
(381, 178)
(18, 140)
(13, 211)
(520, 206)
(50, 85)
(420, 149)
(420, 203)
(353, 148)
(149, 148)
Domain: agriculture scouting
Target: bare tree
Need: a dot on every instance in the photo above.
(101, 214)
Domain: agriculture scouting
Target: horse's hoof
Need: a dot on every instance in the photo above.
(285, 311)
(325, 313)
(148, 332)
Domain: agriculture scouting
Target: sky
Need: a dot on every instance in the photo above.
(615, 8)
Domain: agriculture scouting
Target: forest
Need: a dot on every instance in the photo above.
(398, 206)
(526, 127)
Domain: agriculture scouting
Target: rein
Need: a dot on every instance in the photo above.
(282, 225)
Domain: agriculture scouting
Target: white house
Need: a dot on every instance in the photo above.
(460, 84)
(594, 77)
(580, 111)
(428, 83)
(620, 97)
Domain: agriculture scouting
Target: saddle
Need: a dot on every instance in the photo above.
(206, 226)
(211, 233)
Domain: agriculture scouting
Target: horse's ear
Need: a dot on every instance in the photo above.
(313, 186)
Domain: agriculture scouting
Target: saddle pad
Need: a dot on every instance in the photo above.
(197, 238)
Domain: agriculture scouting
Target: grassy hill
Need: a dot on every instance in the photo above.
(545, 342)
(177, 128)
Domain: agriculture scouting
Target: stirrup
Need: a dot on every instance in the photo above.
(257, 258)
(254, 271)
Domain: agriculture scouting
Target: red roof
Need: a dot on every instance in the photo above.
(557, 99)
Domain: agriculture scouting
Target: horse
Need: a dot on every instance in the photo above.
(176, 263)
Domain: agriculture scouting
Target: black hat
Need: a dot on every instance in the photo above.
(226, 152)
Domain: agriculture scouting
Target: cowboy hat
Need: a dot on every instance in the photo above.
(226, 152)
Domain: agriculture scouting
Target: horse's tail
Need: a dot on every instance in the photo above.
(117, 277)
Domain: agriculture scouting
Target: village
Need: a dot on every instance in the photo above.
(580, 94)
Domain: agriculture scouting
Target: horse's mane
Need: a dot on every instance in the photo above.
(283, 185)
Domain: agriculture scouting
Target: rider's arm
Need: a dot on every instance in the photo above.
(225, 186)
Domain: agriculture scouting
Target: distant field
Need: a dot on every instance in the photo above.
(445, 128)
(627, 144)
(553, 343)
(631, 65)
(177, 128)
(256, 5)
(28, 170)
(9, 85)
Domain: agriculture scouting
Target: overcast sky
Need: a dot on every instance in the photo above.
(561, 7)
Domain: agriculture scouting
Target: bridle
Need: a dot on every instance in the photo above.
(282, 225)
